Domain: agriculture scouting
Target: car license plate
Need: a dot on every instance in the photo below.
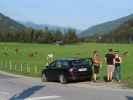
(82, 69)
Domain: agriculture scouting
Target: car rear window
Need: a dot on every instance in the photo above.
(82, 62)
(63, 64)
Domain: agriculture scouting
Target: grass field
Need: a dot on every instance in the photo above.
(35, 55)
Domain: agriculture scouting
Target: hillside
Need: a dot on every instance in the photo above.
(105, 28)
(9, 25)
(124, 33)
(44, 26)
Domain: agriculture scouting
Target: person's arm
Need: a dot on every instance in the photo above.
(114, 61)
(120, 59)
(105, 58)
(101, 65)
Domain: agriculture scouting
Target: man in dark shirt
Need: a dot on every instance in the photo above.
(110, 60)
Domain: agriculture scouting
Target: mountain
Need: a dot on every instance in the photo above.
(106, 27)
(124, 33)
(40, 26)
(9, 25)
(44, 26)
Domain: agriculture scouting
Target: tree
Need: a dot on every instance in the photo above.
(71, 37)
(58, 36)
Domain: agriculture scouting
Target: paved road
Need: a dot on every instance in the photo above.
(16, 88)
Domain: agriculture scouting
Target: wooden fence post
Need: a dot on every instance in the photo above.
(27, 68)
(0, 65)
(10, 65)
(15, 67)
(4, 66)
(35, 69)
(21, 68)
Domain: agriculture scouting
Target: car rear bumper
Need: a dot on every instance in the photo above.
(80, 76)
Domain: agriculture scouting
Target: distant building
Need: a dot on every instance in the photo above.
(59, 42)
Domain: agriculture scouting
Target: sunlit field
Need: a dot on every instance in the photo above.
(35, 55)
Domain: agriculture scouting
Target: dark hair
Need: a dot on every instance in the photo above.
(110, 50)
(95, 51)
(116, 51)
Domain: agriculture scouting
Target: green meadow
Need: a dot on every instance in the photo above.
(35, 55)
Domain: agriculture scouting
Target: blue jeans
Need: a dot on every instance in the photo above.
(117, 72)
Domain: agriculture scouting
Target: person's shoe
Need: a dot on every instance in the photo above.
(108, 80)
(112, 80)
(94, 81)
(119, 81)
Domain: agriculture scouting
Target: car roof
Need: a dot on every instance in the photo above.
(70, 59)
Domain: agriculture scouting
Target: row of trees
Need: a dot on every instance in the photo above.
(123, 34)
(39, 36)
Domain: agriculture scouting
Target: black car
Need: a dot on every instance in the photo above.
(65, 70)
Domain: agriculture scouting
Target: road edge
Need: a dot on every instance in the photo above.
(82, 85)
(16, 75)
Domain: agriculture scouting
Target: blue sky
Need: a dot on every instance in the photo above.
(79, 14)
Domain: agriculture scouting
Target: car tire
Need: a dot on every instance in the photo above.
(62, 79)
(44, 78)
(89, 78)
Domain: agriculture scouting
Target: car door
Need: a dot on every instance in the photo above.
(59, 69)
(54, 70)
(50, 71)
(62, 67)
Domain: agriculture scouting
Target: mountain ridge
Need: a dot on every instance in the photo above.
(106, 27)
(8, 25)
(44, 26)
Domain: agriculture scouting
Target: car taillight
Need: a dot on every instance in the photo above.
(71, 70)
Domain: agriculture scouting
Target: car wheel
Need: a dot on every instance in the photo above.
(62, 79)
(89, 78)
(44, 78)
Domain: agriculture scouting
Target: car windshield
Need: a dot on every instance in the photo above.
(81, 63)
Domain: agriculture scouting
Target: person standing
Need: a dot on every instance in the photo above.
(50, 58)
(117, 71)
(110, 60)
(96, 64)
